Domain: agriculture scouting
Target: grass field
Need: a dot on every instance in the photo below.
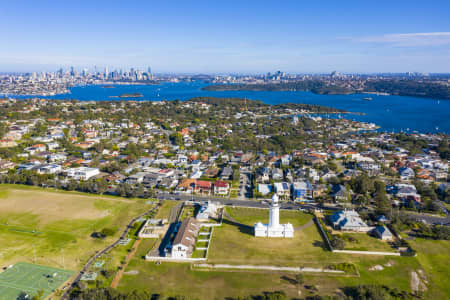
(164, 210)
(434, 257)
(237, 245)
(30, 279)
(55, 223)
(364, 242)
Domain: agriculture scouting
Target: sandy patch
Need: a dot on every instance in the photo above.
(415, 281)
(376, 268)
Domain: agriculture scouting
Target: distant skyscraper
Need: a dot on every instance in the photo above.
(106, 73)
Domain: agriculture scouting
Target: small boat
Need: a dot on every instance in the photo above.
(367, 98)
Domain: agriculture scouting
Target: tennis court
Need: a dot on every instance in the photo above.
(30, 278)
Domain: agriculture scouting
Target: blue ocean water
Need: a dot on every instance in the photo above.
(392, 113)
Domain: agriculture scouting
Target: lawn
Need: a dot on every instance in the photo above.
(434, 257)
(188, 211)
(172, 279)
(237, 245)
(365, 242)
(250, 216)
(164, 210)
(56, 224)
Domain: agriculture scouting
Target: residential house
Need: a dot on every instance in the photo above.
(340, 193)
(227, 173)
(136, 178)
(319, 190)
(277, 174)
(383, 233)
(262, 175)
(221, 187)
(203, 187)
(302, 191)
(282, 189)
(406, 173)
(264, 189)
(348, 220)
(82, 173)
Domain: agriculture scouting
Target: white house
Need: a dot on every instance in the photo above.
(383, 233)
(82, 173)
(406, 173)
(348, 220)
(207, 210)
(49, 169)
(282, 189)
(184, 242)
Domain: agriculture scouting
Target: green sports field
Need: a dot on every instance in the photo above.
(30, 278)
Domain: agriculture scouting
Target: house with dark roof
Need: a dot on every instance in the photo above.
(383, 233)
(340, 193)
(348, 220)
(227, 173)
(184, 242)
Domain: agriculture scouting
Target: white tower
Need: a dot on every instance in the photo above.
(274, 228)
(274, 217)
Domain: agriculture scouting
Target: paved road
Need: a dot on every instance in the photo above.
(430, 219)
(226, 201)
(259, 204)
(100, 253)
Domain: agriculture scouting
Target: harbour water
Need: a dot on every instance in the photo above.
(392, 113)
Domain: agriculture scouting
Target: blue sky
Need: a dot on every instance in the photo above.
(227, 36)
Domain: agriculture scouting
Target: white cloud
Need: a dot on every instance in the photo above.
(407, 39)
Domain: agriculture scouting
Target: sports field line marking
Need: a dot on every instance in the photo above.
(44, 267)
(17, 287)
(37, 233)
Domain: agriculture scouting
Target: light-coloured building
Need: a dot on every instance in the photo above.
(274, 228)
(82, 173)
(207, 210)
(153, 228)
(348, 220)
(184, 242)
(383, 233)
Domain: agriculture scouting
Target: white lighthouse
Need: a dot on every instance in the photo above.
(274, 228)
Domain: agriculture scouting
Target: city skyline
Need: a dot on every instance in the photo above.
(250, 37)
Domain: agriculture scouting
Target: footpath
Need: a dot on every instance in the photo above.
(119, 274)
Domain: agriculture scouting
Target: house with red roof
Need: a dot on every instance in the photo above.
(221, 187)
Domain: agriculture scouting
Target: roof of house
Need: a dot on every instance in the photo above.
(383, 230)
(187, 233)
(221, 183)
(203, 184)
(347, 219)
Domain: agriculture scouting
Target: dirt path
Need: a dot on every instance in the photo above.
(304, 225)
(119, 274)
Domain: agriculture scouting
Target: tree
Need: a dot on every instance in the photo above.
(337, 243)
(363, 184)
(299, 278)
(108, 231)
(381, 200)
(39, 295)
